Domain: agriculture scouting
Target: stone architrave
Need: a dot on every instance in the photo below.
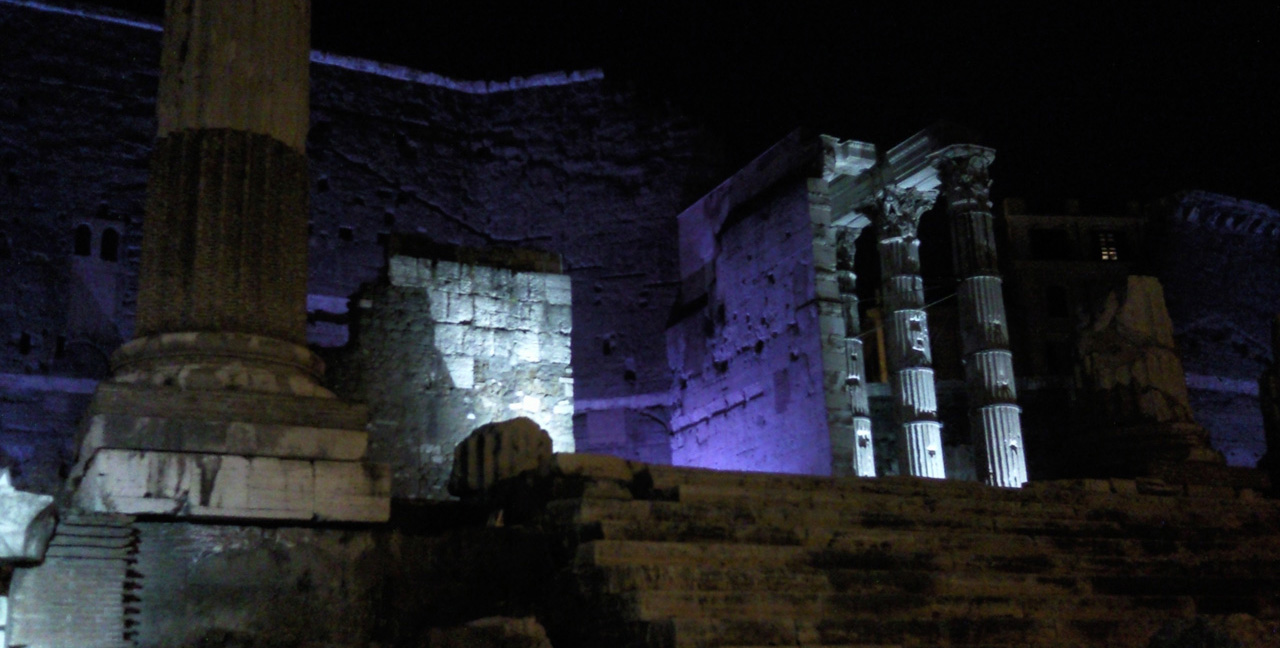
(864, 462)
(898, 212)
(1129, 368)
(994, 416)
(216, 408)
(27, 521)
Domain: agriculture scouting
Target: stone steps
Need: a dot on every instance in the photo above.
(959, 632)
(891, 606)
(665, 557)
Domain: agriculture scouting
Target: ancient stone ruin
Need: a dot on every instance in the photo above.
(566, 403)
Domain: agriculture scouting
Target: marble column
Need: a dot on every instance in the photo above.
(864, 462)
(898, 212)
(216, 408)
(224, 252)
(994, 416)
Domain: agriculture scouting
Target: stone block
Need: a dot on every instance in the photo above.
(559, 292)
(229, 486)
(222, 437)
(26, 522)
(496, 452)
(595, 466)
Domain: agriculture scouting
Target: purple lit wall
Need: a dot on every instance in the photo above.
(747, 347)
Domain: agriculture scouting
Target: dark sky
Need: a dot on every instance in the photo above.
(1099, 101)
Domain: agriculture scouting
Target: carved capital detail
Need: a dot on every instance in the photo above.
(899, 210)
(965, 173)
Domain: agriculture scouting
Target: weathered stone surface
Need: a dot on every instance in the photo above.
(1232, 631)
(233, 486)
(496, 452)
(82, 594)
(225, 245)
(1128, 357)
(759, 310)
(491, 632)
(27, 521)
(444, 347)
(1130, 370)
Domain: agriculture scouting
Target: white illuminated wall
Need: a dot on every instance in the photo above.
(441, 348)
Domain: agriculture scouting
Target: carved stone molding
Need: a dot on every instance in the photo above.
(965, 173)
(899, 210)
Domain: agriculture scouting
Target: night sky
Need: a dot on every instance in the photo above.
(1104, 102)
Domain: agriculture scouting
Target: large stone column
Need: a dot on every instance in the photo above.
(864, 461)
(910, 358)
(216, 409)
(994, 416)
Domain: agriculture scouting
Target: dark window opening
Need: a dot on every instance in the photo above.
(24, 344)
(1057, 358)
(60, 347)
(110, 250)
(5, 251)
(84, 241)
(1056, 303)
(1051, 244)
(346, 234)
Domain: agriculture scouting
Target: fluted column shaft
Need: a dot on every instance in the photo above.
(864, 461)
(910, 360)
(994, 415)
(224, 241)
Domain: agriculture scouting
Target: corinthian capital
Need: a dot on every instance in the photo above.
(898, 210)
(963, 170)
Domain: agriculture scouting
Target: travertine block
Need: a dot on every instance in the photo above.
(229, 486)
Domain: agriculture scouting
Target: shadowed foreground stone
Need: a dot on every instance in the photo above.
(492, 632)
(1130, 369)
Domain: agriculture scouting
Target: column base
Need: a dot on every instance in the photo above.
(225, 426)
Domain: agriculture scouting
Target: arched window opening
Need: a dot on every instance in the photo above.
(110, 245)
(84, 241)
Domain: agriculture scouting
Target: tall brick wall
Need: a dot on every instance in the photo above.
(567, 164)
(443, 347)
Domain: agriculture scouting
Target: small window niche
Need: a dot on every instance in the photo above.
(110, 250)
(83, 245)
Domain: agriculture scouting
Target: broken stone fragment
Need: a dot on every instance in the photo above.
(496, 452)
(1127, 357)
(492, 632)
(27, 521)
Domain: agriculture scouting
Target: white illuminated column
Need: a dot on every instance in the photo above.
(898, 212)
(994, 415)
(864, 461)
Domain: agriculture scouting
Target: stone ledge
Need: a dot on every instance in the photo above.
(233, 487)
(228, 405)
(223, 437)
